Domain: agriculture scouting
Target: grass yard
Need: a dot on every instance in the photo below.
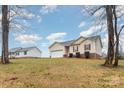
(60, 73)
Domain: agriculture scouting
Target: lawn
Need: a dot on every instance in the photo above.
(60, 73)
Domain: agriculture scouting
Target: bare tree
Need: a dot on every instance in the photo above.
(11, 16)
(110, 53)
(111, 15)
(5, 33)
(106, 16)
(117, 35)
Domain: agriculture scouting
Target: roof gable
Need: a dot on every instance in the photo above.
(78, 41)
(67, 43)
(82, 39)
(23, 49)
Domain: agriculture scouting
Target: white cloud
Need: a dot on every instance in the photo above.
(81, 24)
(0, 17)
(120, 10)
(0, 37)
(99, 12)
(105, 43)
(21, 13)
(39, 18)
(56, 36)
(92, 30)
(25, 13)
(27, 38)
(48, 9)
(44, 44)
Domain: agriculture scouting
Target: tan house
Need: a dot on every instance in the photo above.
(83, 47)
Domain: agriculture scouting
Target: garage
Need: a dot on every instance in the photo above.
(57, 54)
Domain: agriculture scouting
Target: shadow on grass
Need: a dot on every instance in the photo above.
(103, 66)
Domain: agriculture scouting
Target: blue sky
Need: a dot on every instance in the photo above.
(49, 24)
(64, 20)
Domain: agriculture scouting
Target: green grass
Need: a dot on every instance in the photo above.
(60, 73)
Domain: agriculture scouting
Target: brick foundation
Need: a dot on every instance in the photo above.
(91, 56)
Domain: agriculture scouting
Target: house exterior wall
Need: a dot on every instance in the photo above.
(92, 43)
(81, 47)
(56, 47)
(98, 47)
(57, 50)
(79, 40)
(34, 53)
(31, 53)
(95, 48)
(95, 51)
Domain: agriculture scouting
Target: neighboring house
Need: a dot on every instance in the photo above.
(24, 52)
(83, 47)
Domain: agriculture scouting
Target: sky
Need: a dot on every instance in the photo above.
(48, 24)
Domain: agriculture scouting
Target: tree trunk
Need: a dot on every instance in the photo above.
(110, 53)
(5, 33)
(117, 38)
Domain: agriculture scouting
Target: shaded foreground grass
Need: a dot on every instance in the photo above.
(60, 73)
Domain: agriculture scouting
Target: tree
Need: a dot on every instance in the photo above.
(105, 16)
(5, 33)
(117, 35)
(11, 16)
(111, 14)
(110, 52)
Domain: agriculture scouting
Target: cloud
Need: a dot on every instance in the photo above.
(48, 9)
(99, 12)
(27, 38)
(39, 18)
(56, 36)
(0, 37)
(44, 44)
(81, 24)
(104, 40)
(120, 10)
(0, 17)
(25, 13)
(92, 30)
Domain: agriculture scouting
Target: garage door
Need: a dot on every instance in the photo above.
(56, 54)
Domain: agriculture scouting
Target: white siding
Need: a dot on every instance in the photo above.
(57, 50)
(31, 53)
(95, 47)
(79, 40)
(81, 47)
(98, 47)
(34, 53)
(92, 44)
(57, 54)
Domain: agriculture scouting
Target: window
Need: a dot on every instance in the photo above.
(25, 52)
(10, 53)
(17, 53)
(87, 47)
(75, 48)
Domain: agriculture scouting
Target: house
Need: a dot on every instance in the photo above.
(24, 52)
(83, 47)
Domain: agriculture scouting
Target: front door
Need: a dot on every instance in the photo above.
(87, 55)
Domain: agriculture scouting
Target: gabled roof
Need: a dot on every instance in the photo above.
(93, 38)
(15, 49)
(88, 38)
(66, 43)
(22, 49)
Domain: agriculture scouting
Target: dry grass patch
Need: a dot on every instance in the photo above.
(60, 73)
